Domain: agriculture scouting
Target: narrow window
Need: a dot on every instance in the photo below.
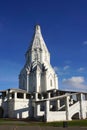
(51, 83)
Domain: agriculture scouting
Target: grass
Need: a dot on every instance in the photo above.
(31, 123)
(78, 123)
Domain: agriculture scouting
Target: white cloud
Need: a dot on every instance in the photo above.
(85, 42)
(61, 71)
(81, 69)
(56, 68)
(66, 67)
(76, 82)
(78, 79)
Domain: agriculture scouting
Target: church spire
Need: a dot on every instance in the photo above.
(37, 29)
(38, 50)
(37, 74)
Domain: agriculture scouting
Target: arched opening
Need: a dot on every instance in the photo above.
(75, 116)
(1, 112)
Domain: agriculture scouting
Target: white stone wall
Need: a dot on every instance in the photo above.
(16, 105)
(56, 116)
(21, 108)
(16, 108)
(37, 112)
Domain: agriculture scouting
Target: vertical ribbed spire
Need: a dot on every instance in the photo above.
(37, 46)
(37, 29)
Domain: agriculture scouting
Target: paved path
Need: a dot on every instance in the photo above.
(7, 127)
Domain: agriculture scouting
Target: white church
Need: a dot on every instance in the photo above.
(38, 96)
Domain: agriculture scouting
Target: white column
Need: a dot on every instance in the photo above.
(15, 95)
(82, 107)
(67, 108)
(36, 96)
(36, 110)
(24, 95)
(49, 95)
(28, 72)
(47, 106)
(27, 82)
(38, 83)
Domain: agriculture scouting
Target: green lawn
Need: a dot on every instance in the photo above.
(31, 123)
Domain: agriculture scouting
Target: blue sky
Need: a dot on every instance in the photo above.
(64, 28)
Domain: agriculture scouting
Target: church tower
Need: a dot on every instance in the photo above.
(37, 74)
